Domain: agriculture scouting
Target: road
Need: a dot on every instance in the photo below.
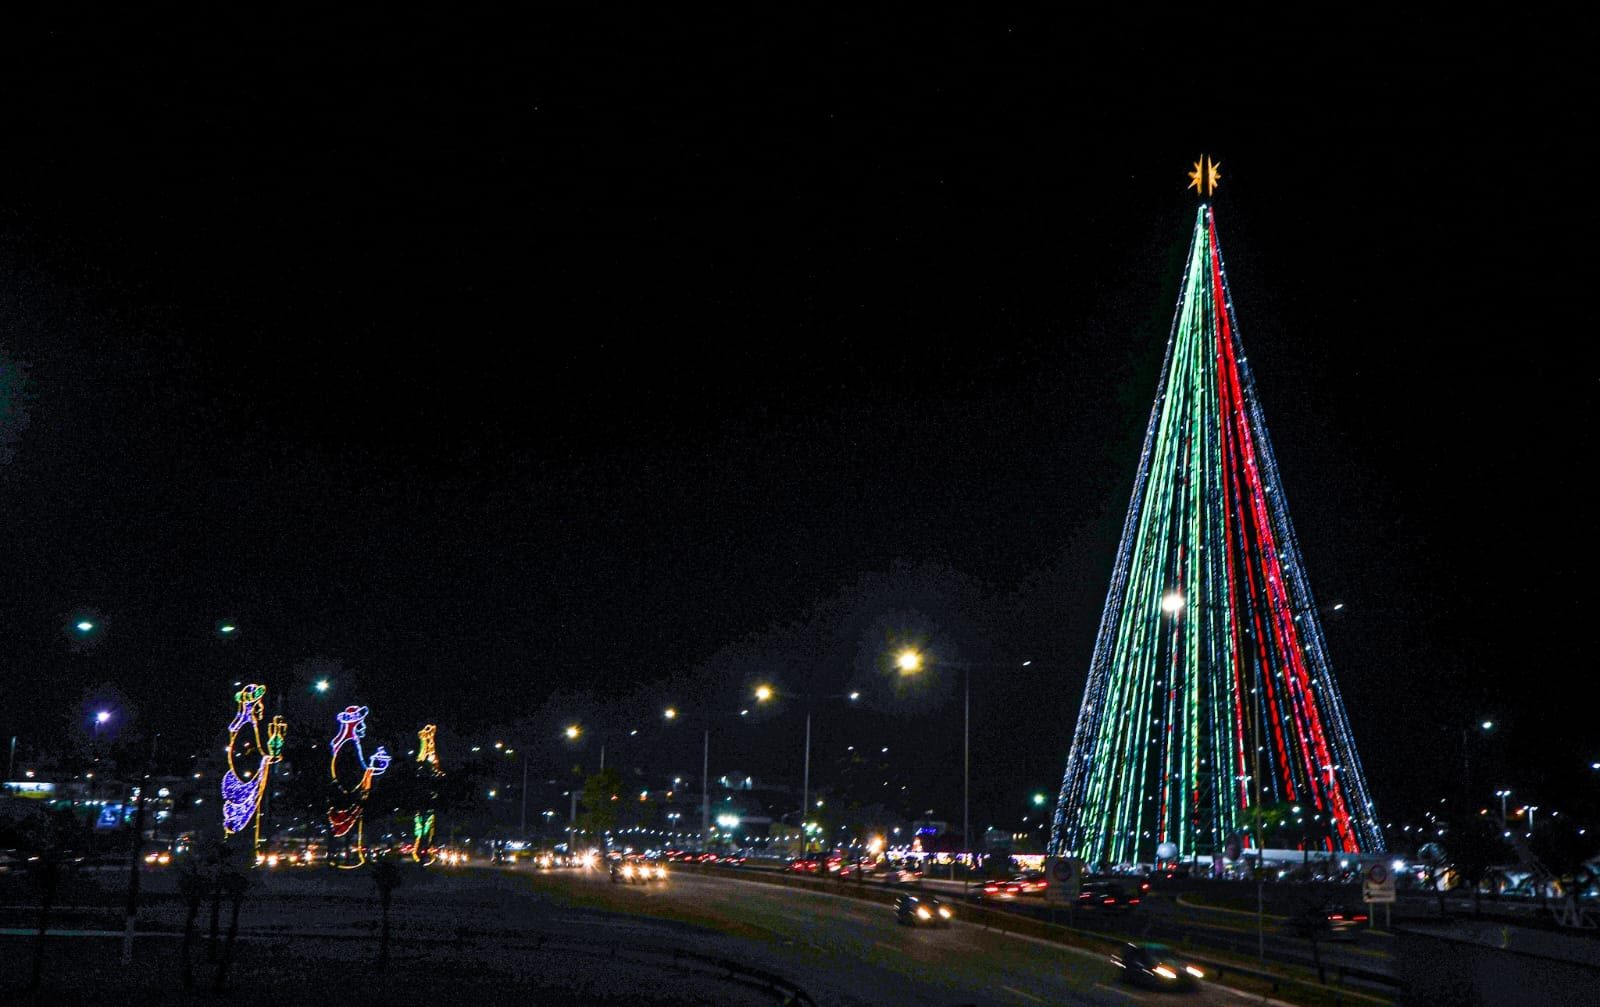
(845, 951)
(1165, 918)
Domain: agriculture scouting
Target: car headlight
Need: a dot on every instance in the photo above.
(1194, 972)
(944, 911)
(1165, 972)
(922, 913)
(627, 872)
(661, 872)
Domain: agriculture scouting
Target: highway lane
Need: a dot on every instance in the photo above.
(1163, 918)
(836, 946)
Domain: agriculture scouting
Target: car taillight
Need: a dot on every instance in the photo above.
(1133, 902)
(1108, 901)
(1359, 919)
(1336, 916)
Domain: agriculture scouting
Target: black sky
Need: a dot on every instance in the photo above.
(493, 358)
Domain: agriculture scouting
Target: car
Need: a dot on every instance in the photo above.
(1107, 895)
(1030, 882)
(1344, 923)
(639, 871)
(1156, 966)
(922, 910)
(1000, 889)
(804, 865)
(903, 876)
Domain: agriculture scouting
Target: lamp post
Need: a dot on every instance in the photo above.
(765, 693)
(910, 661)
(672, 714)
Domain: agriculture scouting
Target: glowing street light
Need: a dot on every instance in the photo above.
(763, 693)
(84, 626)
(1038, 800)
(909, 661)
(573, 732)
(1487, 725)
(102, 716)
(670, 713)
(322, 685)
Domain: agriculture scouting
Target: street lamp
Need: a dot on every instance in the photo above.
(1502, 794)
(805, 784)
(322, 685)
(84, 626)
(762, 693)
(911, 661)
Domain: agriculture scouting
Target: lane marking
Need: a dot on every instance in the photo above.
(1025, 996)
(1113, 989)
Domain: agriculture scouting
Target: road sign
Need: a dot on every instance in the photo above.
(1377, 883)
(1062, 877)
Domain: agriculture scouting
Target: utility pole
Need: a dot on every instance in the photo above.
(132, 911)
(524, 833)
(805, 787)
(966, 778)
(705, 790)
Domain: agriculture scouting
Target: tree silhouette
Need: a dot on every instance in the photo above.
(1474, 846)
(386, 878)
(602, 792)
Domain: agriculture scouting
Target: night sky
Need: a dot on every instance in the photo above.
(651, 359)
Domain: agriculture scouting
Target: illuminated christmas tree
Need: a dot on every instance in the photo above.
(1210, 692)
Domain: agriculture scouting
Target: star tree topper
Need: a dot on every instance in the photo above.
(1205, 177)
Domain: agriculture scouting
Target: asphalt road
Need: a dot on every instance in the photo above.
(1162, 917)
(846, 951)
